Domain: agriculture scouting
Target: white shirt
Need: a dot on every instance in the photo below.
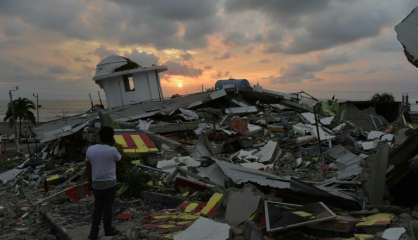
(103, 160)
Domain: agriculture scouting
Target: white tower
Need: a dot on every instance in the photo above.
(126, 82)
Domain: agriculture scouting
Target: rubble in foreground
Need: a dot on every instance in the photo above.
(226, 164)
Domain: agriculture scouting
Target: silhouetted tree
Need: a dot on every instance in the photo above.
(382, 98)
(384, 104)
(23, 110)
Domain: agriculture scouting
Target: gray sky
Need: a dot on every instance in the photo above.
(323, 46)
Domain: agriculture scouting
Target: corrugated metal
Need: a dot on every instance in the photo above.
(63, 127)
(239, 175)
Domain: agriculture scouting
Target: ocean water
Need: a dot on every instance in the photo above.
(54, 109)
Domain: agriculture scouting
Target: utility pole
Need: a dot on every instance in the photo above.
(37, 107)
(316, 109)
(12, 108)
(91, 101)
(100, 98)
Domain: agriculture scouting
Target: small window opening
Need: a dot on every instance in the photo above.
(129, 83)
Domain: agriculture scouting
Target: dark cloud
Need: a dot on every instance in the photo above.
(221, 74)
(45, 81)
(14, 27)
(175, 68)
(103, 52)
(157, 23)
(142, 58)
(340, 25)
(186, 56)
(265, 61)
(290, 26)
(304, 26)
(288, 12)
(147, 59)
(58, 16)
(224, 56)
(386, 43)
(56, 70)
(308, 71)
(241, 38)
(177, 10)
(82, 60)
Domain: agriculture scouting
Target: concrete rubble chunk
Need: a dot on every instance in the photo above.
(213, 173)
(393, 233)
(240, 110)
(267, 152)
(375, 135)
(310, 118)
(304, 129)
(251, 231)
(171, 165)
(327, 121)
(200, 150)
(368, 145)
(217, 94)
(239, 103)
(239, 175)
(144, 125)
(387, 137)
(401, 136)
(202, 127)
(204, 229)
(163, 127)
(244, 155)
(255, 165)
(254, 129)
(239, 211)
(10, 175)
(348, 163)
(377, 165)
(188, 114)
(366, 119)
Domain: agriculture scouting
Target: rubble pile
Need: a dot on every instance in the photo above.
(226, 164)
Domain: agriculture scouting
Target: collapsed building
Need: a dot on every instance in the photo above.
(231, 163)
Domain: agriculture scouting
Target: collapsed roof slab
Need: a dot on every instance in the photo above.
(56, 129)
(407, 32)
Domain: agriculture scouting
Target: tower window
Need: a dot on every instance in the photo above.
(129, 83)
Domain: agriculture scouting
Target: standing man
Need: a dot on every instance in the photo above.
(101, 168)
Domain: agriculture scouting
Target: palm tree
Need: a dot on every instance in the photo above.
(23, 112)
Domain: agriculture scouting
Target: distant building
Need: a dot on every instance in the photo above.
(125, 81)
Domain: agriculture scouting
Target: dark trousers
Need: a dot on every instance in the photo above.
(103, 201)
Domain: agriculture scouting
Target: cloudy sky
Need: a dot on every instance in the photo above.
(322, 46)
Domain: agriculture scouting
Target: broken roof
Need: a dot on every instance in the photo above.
(239, 175)
(63, 127)
(115, 65)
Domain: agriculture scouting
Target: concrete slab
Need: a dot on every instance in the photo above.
(204, 229)
(239, 211)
